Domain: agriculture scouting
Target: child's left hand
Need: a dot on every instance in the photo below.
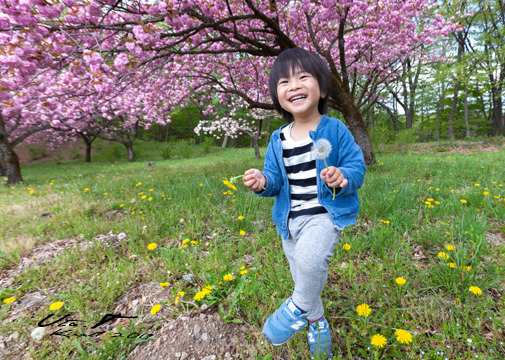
(333, 177)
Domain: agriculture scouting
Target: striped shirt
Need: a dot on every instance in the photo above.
(301, 170)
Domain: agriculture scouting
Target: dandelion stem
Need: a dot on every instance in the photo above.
(325, 163)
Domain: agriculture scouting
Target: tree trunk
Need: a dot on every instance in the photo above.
(358, 129)
(342, 102)
(398, 125)
(460, 37)
(10, 162)
(256, 145)
(440, 106)
(497, 115)
(225, 141)
(465, 106)
(409, 117)
(453, 110)
(88, 152)
(129, 149)
(166, 133)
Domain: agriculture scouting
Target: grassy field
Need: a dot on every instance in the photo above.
(435, 220)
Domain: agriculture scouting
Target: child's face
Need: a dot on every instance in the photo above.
(299, 94)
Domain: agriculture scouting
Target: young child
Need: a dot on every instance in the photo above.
(313, 201)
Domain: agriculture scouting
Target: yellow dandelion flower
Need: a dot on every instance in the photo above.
(468, 268)
(86, 189)
(477, 184)
(463, 201)
(138, 184)
(430, 200)
(242, 268)
(229, 184)
(165, 284)
(152, 246)
(456, 300)
(144, 196)
(155, 309)
(183, 246)
(201, 184)
(240, 217)
(32, 191)
(9, 300)
(347, 247)
(242, 232)
(228, 277)
(150, 199)
(194, 242)
(449, 246)
(443, 255)
(378, 340)
(485, 193)
(475, 290)
(185, 241)
(400, 281)
(427, 203)
(56, 305)
(451, 265)
(403, 336)
(364, 310)
(244, 272)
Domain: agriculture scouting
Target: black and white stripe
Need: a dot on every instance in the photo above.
(301, 170)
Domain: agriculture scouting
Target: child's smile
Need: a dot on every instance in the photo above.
(299, 94)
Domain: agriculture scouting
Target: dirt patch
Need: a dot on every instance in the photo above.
(495, 238)
(198, 334)
(463, 147)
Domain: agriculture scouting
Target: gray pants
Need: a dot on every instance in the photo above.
(309, 248)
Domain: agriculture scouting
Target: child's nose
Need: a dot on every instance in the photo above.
(294, 84)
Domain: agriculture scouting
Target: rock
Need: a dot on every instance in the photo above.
(177, 354)
(227, 355)
(190, 278)
(206, 338)
(13, 337)
(204, 307)
(184, 355)
(210, 357)
(202, 316)
(38, 333)
(196, 331)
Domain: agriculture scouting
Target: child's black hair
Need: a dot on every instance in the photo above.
(308, 61)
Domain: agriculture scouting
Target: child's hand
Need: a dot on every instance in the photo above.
(254, 180)
(333, 177)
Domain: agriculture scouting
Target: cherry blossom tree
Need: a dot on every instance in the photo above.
(215, 46)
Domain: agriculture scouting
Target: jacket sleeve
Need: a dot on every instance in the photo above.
(271, 171)
(350, 161)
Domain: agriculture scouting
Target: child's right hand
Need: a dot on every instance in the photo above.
(254, 180)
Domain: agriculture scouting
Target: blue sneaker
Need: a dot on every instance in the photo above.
(283, 323)
(319, 338)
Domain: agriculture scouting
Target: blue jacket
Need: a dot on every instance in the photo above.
(345, 155)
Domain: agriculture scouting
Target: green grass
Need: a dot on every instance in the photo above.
(411, 210)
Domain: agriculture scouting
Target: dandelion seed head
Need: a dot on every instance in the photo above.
(321, 149)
